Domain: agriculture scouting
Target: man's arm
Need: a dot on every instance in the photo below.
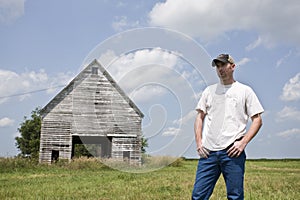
(198, 127)
(239, 146)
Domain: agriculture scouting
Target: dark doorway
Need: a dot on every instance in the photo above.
(54, 155)
(93, 146)
(126, 155)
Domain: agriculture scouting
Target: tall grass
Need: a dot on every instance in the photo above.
(85, 178)
(17, 164)
(149, 164)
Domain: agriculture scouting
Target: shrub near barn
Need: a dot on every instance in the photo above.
(30, 130)
(28, 143)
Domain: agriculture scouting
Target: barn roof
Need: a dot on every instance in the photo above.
(79, 78)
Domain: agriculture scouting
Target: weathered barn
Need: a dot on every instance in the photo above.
(91, 109)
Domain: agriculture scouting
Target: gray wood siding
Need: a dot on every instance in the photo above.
(60, 140)
(91, 105)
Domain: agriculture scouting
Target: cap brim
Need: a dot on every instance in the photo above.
(213, 63)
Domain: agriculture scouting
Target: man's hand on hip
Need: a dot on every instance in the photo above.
(236, 149)
(202, 151)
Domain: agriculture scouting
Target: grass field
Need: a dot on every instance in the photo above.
(89, 179)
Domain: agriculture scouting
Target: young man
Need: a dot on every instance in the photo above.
(226, 107)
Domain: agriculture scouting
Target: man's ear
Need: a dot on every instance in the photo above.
(233, 66)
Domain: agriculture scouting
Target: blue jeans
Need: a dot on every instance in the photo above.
(209, 170)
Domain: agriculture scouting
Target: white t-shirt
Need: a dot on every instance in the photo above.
(227, 109)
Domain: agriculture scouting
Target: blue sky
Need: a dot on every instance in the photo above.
(44, 44)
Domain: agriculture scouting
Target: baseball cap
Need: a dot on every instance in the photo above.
(225, 58)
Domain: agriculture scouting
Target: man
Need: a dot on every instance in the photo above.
(226, 107)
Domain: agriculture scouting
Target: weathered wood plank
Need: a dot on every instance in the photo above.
(91, 105)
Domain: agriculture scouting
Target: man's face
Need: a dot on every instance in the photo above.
(224, 70)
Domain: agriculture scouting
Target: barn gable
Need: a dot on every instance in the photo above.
(79, 78)
(93, 108)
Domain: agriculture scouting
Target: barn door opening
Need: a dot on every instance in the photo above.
(54, 155)
(126, 156)
(91, 146)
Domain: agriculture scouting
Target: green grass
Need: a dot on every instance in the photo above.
(89, 179)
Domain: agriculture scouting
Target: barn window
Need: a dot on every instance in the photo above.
(95, 70)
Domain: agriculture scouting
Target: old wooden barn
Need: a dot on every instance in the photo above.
(91, 109)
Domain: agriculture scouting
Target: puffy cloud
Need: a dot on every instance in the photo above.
(142, 66)
(291, 90)
(4, 122)
(146, 57)
(289, 132)
(151, 73)
(106, 58)
(274, 22)
(10, 10)
(147, 92)
(21, 85)
(289, 113)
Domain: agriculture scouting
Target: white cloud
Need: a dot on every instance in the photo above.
(289, 113)
(289, 133)
(255, 44)
(274, 22)
(10, 10)
(106, 58)
(281, 60)
(14, 84)
(142, 66)
(243, 61)
(148, 75)
(171, 131)
(55, 82)
(147, 92)
(291, 90)
(4, 122)
(185, 119)
(122, 23)
(180, 122)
